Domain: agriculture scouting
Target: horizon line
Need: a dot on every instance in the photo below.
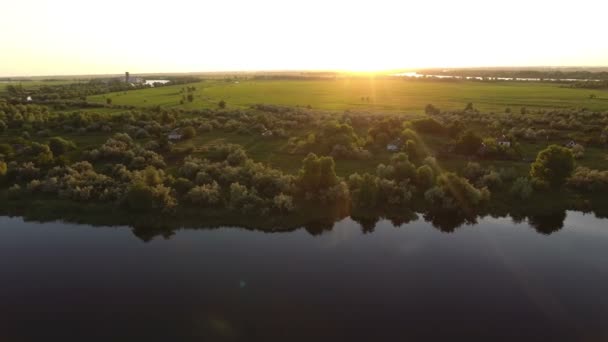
(344, 71)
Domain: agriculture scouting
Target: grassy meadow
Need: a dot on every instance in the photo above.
(32, 84)
(385, 95)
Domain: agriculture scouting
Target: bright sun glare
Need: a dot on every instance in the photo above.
(187, 35)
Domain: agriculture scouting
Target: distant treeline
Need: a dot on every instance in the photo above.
(548, 74)
(314, 76)
(81, 90)
(590, 85)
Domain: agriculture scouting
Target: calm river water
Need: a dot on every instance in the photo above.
(493, 281)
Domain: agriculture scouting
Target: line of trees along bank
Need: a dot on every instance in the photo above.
(135, 178)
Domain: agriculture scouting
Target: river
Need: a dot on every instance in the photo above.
(493, 280)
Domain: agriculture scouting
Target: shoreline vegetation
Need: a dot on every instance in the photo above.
(280, 167)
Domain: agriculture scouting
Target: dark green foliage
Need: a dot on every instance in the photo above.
(414, 150)
(553, 165)
(385, 131)
(3, 169)
(425, 178)
(188, 132)
(143, 197)
(364, 190)
(588, 180)
(59, 145)
(430, 126)
(222, 104)
(456, 194)
(317, 174)
(469, 143)
(6, 151)
(431, 110)
(182, 185)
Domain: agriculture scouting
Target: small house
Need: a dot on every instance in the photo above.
(503, 142)
(267, 133)
(29, 99)
(175, 135)
(394, 146)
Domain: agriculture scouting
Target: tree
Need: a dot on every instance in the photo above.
(425, 178)
(3, 168)
(317, 174)
(414, 151)
(190, 97)
(469, 106)
(521, 188)
(222, 104)
(469, 143)
(188, 132)
(431, 110)
(6, 151)
(108, 101)
(59, 145)
(553, 165)
(140, 197)
(578, 151)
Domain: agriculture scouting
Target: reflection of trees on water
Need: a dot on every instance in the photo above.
(367, 223)
(148, 232)
(544, 221)
(401, 218)
(320, 226)
(448, 222)
(548, 223)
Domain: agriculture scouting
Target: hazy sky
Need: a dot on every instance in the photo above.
(112, 36)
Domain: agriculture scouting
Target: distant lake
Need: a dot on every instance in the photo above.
(151, 82)
(494, 280)
(479, 78)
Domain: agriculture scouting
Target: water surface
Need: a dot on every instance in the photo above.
(495, 280)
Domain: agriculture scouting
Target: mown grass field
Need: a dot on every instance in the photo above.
(385, 95)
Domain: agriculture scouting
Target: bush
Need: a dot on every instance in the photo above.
(14, 192)
(491, 180)
(425, 178)
(59, 145)
(205, 195)
(454, 193)
(553, 165)
(429, 125)
(3, 169)
(283, 203)
(522, 188)
(182, 186)
(188, 132)
(469, 143)
(585, 179)
(141, 197)
(578, 151)
(6, 151)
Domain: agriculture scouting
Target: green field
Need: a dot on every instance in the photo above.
(32, 84)
(385, 95)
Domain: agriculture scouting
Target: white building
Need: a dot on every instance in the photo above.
(175, 135)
